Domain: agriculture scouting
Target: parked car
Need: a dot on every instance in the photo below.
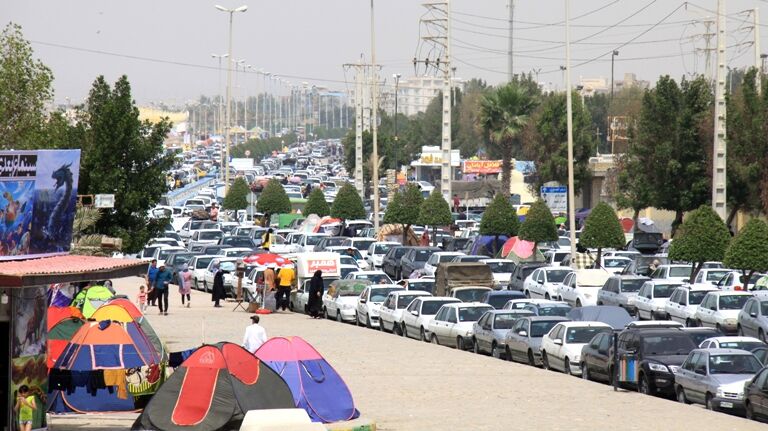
(350, 252)
(369, 304)
(543, 282)
(391, 310)
(595, 362)
(490, 331)
(682, 305)
(614, 264)
(205, 236)
(521, 272)
(720, 310)
(340, 300)
(672, 272)
(423, 284)
(553, 308)
(731, 342)
(653, 296)
(163, 252)
(497, 298)
(430, 266)
(519, 304)
(330, 241)
(561, 346)
(753, 318)
(359, 243)
(415, 258)
(376, 252)
(556, 257)
(708, 277)
(733, 280)
(452, 325)
(716, 378)
(469, 293)
(227, 266)
(418, 314)
(502, 271)
(238, 241)
(198, 265)
(698, 335)
(579, 288)
(621, 291)
(309, 241)
(372, 276)
(524, 339)
(756, 396)
(390, 264)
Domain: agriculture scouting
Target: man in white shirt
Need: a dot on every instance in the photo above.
(255, 335)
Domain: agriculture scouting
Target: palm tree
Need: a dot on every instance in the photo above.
(504, 113)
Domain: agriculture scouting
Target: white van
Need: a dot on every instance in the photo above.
(306, 265)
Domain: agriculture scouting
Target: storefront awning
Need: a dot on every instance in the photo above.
(67, 269)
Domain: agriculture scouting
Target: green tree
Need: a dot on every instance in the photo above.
(602, 230)
(125, 156)
(316, 204)
(546, 142)
(273, 200)
(504, 113)
(435, 212)
(702, 237)
(25, 90)
(347, 205)
(748, 250)
(404, 208)
(499, 218)
(237, 196)
(539, 225)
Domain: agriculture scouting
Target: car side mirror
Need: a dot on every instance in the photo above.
(522, 333)
(753, 314)
(540, 281)
(700, 370)
(414, 312)
(363, 301)
(559, 342)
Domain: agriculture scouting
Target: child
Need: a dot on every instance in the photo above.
(25, 404)
(141, 299)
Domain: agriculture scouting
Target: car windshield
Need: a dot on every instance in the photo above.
(334, 241)
(431, 307)
(610, 262)
(663, 290)
(471, 314)
(202, 263)
(313, 239)
(404, 300)
(163, 254)
(470, 295)
(363, 244)
(381, 248)
(696, 296)
(501, 267)
(180, 259)
(423, 255)
(505, 321)
(715, 276)
(445, 257)
(539, 328)
(471, 258)
(742, 345)
(733, 302)
(348, 260)
(554, 310)
(583, 335)
(673, 344)
(207, 236)
(631, 285)
(557, 275)
(149, 251)
(379, 295)
(427, 286)
(679, 271)
(228, 266)
(498, 301)
(733, 364)
(238, 242)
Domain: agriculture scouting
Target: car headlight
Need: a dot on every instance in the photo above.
(674, 369)
(730, 321)
(658, 367)
(576, 358)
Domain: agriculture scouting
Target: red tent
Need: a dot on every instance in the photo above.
(57, 314)
(263, 259)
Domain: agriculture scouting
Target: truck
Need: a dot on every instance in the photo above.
(306, 265)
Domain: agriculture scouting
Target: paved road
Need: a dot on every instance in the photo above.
(404, 384)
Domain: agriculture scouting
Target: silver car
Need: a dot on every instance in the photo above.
(621, 291)
(716, 378)
(524, 339)
(490, 330)
(753, 318)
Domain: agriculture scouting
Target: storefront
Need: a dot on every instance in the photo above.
(427, 167)
(24, 290)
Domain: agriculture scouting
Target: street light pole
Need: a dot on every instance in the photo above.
(219, 114)
(229, 93)
(396, 76)
(569, 113)
(613, 55)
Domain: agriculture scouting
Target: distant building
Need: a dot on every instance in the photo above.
(414, 94)
(601, 85)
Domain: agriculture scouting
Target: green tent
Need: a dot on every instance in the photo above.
(88, 300)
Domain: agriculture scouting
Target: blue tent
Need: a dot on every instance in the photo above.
(315, 385)
(484, 245)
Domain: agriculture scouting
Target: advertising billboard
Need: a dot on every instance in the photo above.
(38, 197)
(484, 167)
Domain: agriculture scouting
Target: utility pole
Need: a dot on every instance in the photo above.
(374, 114)
(569, 113)
(218, 122)
(719, 165)
(359, 78)
(396, 77)
(511, 41)
(758, 60)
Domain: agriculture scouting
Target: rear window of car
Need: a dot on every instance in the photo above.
(431, 307)
(404, 300)
(663, 290)
(471, 314)
(423, 255)
(679, 271)
(540, 328)
(631, 285)
(733, 302)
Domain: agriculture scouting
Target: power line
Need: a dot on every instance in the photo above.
(562, 23)
(599, 9)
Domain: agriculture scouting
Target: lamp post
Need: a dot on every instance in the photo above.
(219, 114)
(396, 76)
(613, 55)
(227, 143)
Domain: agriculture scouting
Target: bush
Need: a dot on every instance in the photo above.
(237, 196)
(702, 237)
(348, 205)
(316, 204)
(539, 225)
(748, 251)
(602, 229)
(273, 200)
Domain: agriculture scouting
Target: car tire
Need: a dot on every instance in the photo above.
(423, 336)
(325, 313)
(584, 371)
(531, 359)
(368, 323)
(643, 385)
(739, 331)
(205, 286)
(338, 316)
(690, 323)
(475, 346)
(508, 354)
(761, 335)
(404, 331)
(699, 324)
(459, 343)
(668, 317)
(719, 328)
(749, 411)
(527, 294)
(578, 302)
(546, 296)
(495, 352)
(567, 366)
(433, 340)
(545, 360)
(681, 398)
(708, 403)
(401, 331)
(381, 326)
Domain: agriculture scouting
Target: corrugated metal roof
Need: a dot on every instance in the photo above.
(67, 269)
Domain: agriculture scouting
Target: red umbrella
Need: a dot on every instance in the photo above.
(264, 259)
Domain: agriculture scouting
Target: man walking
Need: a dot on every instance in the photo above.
(151, 276)
(255, 335)
(162, 282)
(285, 279)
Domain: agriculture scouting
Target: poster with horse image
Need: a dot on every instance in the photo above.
(38, 198)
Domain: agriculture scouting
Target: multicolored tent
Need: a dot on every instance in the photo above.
(88, 300)
(212, 390)
(520, 250)
(122, 310)
(57, 314)
(142, 320)
(60, 335)
(315, 385)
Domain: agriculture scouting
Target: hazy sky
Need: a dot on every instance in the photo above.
(309, 40)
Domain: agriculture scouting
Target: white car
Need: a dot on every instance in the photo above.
(227, 265)
(417, 315)
(340, 303)
(376, 252)
(372, 276)
(652, 298)
(561, 346)
(167, 241)
(555, 257)
(279, 245)
(430, 266)
(308, 241)
(720, 310)
(733, 342)
(579, 288)
(360, 243)
(162, 253)
(502, 271)
(685, 300)
(198, 265)
(708, 277)
(348, 260)
(733, 281)
(519, 304)
(453, 324)
(369, 303)
(543, 282)
(391, 310)
(205, 237)
(673, 272)
(235, 252)
(615, 264)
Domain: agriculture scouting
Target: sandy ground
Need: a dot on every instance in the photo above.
(405, 384)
